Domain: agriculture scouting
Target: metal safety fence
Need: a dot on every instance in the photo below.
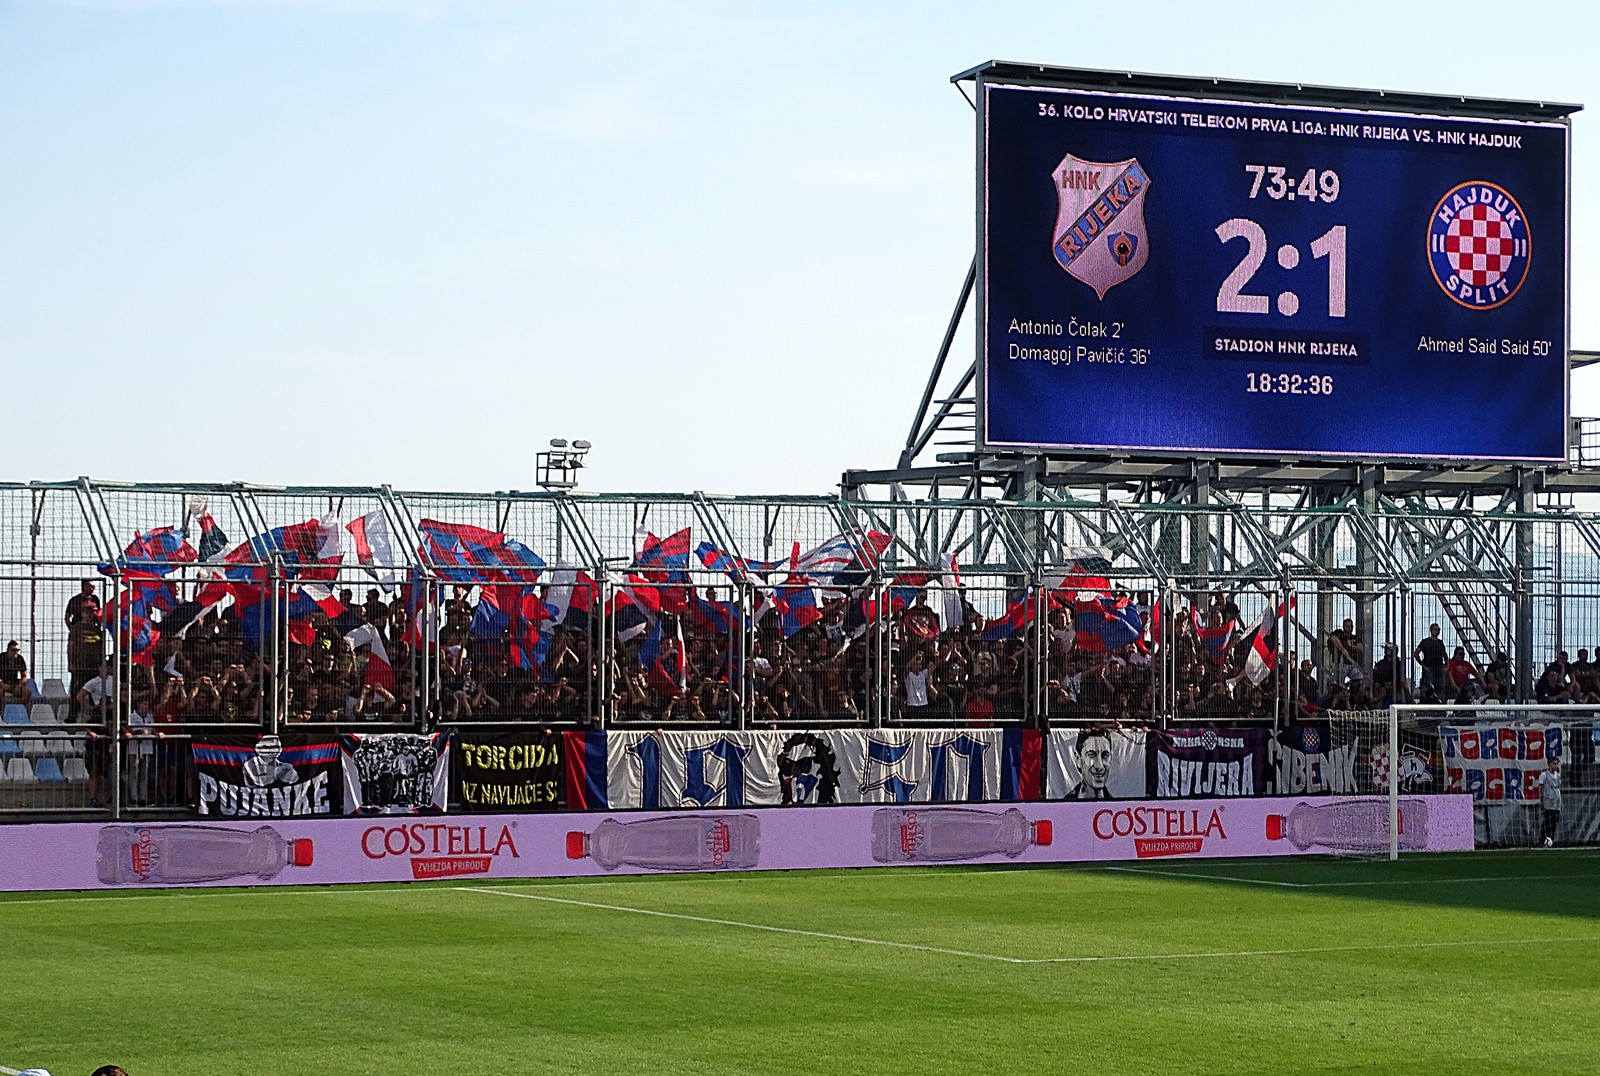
(130, 607)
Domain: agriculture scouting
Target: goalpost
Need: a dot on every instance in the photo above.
(1496, 753)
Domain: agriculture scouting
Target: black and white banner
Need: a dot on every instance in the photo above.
(266, 777)
(395, 773)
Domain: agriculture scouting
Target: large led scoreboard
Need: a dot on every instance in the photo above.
(1324, 275)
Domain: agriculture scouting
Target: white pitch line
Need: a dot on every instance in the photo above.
(746, 926)
(1091, 959)
(1303, 952)
(10, 1072)
(1208, 877)
(1347, 885)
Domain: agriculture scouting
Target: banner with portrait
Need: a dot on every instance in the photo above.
(267, 776)
(1096, 764)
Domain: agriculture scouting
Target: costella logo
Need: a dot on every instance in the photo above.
(1160, 831)
(438, 850)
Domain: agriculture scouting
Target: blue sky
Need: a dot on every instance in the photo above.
(361, 241)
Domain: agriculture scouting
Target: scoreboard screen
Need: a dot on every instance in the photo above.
(1198, 276)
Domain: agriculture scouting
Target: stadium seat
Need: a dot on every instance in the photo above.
(34, 694)
(43, 714)
(48, 772)
(55, 690)
(19, 771)
(14, 714)
(74, 770)
(34, 745)
(64, 744)
(9, 747)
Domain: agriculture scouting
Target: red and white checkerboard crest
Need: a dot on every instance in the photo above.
(1478, 245)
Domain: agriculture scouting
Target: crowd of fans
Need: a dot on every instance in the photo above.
(914, 664)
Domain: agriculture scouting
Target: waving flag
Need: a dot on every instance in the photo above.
(797, 608)
(155, 552)
(1018, 615)
(212, 540)
(1263, 655)
(570, 597)
(460, 551)
(713, 617)
(378, 673)
(1107, 624)
(1216, 640)
(858, 550)
(952, 610)
(1084, 577)
(374, 545)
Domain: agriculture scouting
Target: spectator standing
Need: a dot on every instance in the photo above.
(1347, 654)
(1550, 800)
(95, 700)
(86, 649)
(1430, 654)
(86, 596)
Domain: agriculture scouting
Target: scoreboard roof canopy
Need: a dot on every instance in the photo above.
(1274, 92)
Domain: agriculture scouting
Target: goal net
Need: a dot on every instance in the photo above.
(1495, 754)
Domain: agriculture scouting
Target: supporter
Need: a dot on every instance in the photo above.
(1389, 680)
(1430, 655)
(13, 674)
(86, 649)
(1459, 671)
(95, 704)
(138, 777)
(85, 598)
(1552, 687)
(1500, 669)
(1347, 654)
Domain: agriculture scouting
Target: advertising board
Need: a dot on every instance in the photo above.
(1174, 275)
(331, 851)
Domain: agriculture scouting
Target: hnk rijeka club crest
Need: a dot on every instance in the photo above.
(1099, 235)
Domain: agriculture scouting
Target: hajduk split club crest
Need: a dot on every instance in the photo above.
(1478, 244)
(1099, 235)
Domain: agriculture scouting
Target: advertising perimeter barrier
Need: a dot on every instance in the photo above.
(81, 856)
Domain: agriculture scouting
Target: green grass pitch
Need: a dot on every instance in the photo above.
(1458, 963)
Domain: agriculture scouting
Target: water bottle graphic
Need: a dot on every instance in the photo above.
(686, 843)
(944, 834)
(1350, 826)
(173, 855)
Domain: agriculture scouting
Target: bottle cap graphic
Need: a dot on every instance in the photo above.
(577, 844)
(1044, 831)
(1274, 827)
(300, 852)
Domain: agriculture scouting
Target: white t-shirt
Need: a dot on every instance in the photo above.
(917, 688)
(101, 688)
(144, 737)
(1550, 790)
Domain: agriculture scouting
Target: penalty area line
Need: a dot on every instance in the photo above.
(745, 926)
